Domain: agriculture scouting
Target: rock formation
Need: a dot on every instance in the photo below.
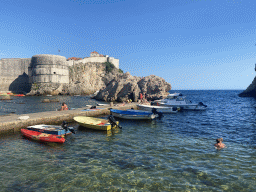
(125, 86)
(250, 91)
(86, 79)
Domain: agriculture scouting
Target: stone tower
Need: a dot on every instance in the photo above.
(48, 69)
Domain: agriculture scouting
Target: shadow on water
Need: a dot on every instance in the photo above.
(107, 133)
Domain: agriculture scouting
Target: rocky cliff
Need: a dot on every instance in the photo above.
(86, 79)
(250, 91)
(125, 86)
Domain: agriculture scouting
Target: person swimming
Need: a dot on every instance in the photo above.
(219, 144)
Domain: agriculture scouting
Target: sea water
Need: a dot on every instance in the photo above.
(175, 153)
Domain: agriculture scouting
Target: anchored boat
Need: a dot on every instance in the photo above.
(133, 114)
(179, 101)
(48, 133)
(161, 109)
(52, 129)
(97, 123)
(44, 137)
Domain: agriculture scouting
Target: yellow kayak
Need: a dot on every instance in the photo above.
(94, 123)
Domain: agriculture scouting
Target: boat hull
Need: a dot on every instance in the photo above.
(133, 114)
(160, 109)
(93, 123)
(186, 107)
(43, 137)
(179, 101)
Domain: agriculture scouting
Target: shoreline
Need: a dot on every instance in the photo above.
(12, 124)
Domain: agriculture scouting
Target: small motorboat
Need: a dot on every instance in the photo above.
(179, 101)
(52, 129)
(133, 114)
(160, 109)
(43, 137)
(97, 123)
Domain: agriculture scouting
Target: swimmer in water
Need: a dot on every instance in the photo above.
(219, 144)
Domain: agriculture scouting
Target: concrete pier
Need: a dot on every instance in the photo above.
(11, 123)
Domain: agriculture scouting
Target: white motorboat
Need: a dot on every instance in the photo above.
(161, 109)
(179, 101)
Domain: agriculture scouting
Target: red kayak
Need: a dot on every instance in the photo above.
(19, 95)
(42, 136)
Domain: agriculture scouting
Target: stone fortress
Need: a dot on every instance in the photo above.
(17, 75)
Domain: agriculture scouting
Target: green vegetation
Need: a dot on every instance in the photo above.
(121, 71)
(109, 66)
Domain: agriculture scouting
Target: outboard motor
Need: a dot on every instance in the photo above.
(93, 107)
(113, 122)
(201, 103)
(64, 125)
(154, 111)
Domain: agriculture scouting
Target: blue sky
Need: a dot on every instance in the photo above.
(192, 44)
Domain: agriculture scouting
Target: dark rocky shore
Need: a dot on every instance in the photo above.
(250, 91)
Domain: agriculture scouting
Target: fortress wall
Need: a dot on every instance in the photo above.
(49, 69)
(70, 63)
(96, 60)
(50, 79)
(114, 61)
(92, 60)
(14, 70)
(18, 74)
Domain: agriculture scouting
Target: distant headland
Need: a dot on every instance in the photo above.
(251, 89)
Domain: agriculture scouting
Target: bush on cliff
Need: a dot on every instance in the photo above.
(121, 71)
(109, 67)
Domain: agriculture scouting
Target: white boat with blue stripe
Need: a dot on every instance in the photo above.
(133, 114)
(161, 109)
(179, 101)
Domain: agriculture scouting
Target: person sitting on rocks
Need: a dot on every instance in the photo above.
(219, 144)
(64, 107)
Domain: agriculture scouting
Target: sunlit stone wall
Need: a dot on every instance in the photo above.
(48, 69)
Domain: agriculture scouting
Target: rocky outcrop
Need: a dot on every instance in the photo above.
(250, 91)
(126, 87)
(46, 89)
(155, 87)
(86, 79)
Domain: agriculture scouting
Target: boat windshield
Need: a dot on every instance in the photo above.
(172, 97)
(179, 99)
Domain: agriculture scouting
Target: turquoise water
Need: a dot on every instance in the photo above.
(175, 153)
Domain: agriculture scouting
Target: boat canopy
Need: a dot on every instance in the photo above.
(173, 95)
